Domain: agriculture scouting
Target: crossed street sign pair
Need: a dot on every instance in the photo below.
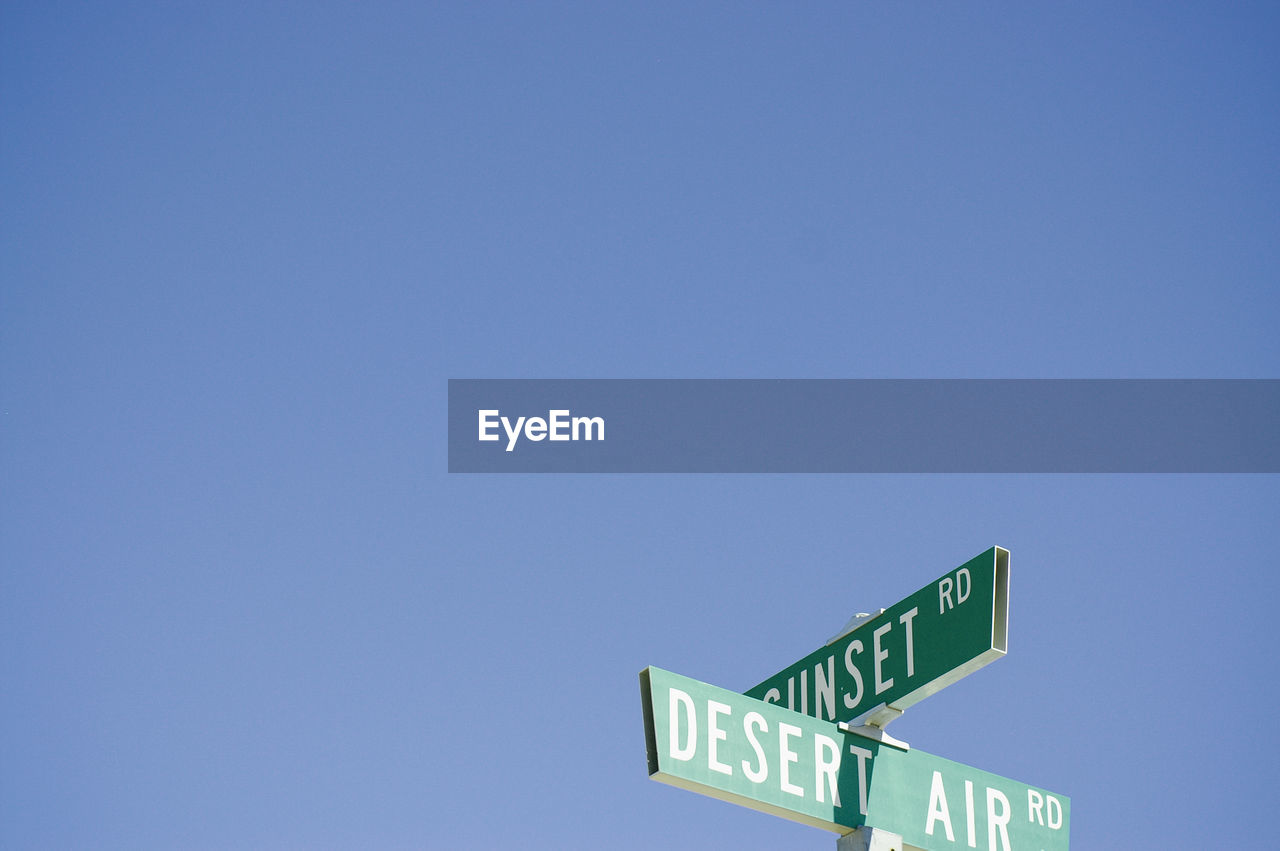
(786, 746)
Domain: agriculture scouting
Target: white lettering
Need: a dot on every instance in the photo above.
(879, 656)
(588, 423)
(905, 620)
(773, 695)
(556, 422)
(750, 722)
(1055, 813)
(513, 434)
(824, 688)
(1035, 807)
(826, 767)
(944, 595)
(786, 756)
(714, 734)
(852, 700)
(682, 753)
(997, 821)
(558, 425)
(486, 423)
(864, 756)
(938, 810)
(968, 814)
(964, 584)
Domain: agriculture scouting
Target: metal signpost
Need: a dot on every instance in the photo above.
(915, 648)
(759, 755)
(779, 749)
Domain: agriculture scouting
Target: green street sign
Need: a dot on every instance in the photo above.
(945, 631)
(748, 752)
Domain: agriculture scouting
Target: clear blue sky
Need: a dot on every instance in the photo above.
(243, 247)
